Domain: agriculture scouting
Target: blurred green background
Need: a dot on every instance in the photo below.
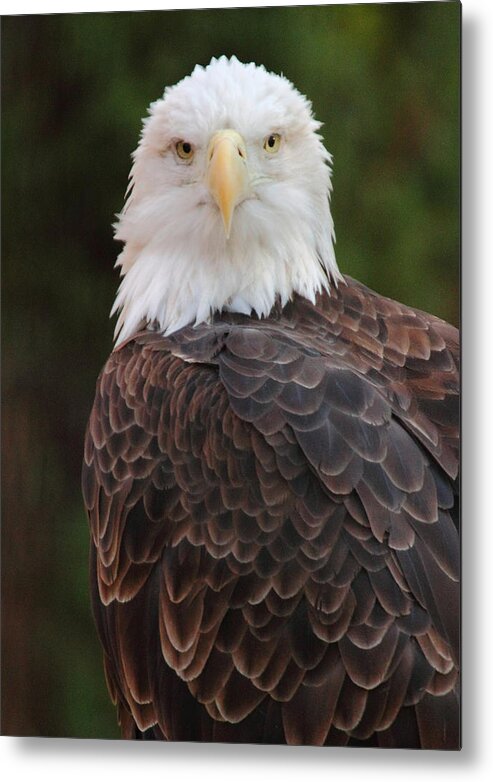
(385, 81)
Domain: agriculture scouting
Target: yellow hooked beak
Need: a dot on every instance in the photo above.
(227, 174)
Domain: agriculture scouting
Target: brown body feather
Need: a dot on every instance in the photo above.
(275, 552)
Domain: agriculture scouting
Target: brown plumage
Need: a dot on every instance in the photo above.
(273, 509)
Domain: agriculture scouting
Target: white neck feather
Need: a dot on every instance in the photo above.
(181, 281)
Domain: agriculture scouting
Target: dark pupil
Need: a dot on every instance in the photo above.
(186, 147)
(271, 142)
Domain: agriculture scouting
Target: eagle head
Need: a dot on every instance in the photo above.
(228, 202)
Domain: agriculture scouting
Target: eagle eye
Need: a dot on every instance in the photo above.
(272, 143)
(184, 150)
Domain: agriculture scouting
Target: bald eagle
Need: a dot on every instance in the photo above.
(271, 461)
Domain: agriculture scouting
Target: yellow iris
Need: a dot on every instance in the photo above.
(184, 150)
(272, 143)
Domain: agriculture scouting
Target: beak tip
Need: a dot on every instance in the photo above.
(227, 219)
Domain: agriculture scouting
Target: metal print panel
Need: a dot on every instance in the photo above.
(270, 462)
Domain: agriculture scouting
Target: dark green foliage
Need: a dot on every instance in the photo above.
(385, 81)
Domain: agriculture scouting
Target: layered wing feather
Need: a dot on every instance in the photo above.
(275, 557)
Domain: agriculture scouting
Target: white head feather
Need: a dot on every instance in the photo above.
(178, 264)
